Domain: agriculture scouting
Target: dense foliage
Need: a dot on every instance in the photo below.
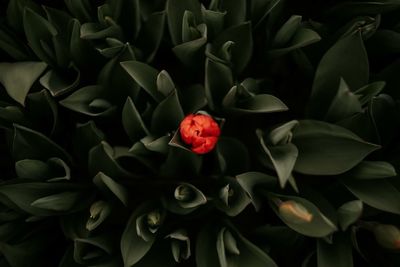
(94, 171)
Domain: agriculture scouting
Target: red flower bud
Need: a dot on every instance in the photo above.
(200, 131)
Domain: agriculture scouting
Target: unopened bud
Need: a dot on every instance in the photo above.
(387, 236)
(154, 219)
(294, 212)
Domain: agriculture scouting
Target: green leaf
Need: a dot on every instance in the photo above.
(29, 144)
(164, 83)
(218, 81)
(339, 253)
(251, 181)
(283, 133)
(61, 83)
(286, 32)
(132, 121)
(12, 46)
(379, 194)
(102, 159)
(145, 76)
(261, 103)
(18, 78)
(39, 32)
(303, 37)
(22, 195)
(180, 245)
(32, 169)
(58, 202)
(185, 199)
(235, 11)
(344, 104)
(367, 92)
(318, 225)
(372, 170)
(90, 101)
(260, 9)
(81, 9)
(151, 35)
(133, 246)
(96, 31)
(42, 111)
(82, 53)
(283, 158)
(242, 38)
(349, 213)
(191, 52)
(347, 58)
(106, 183)
(86, 136)
(167, 115)
(232, 199)
(175, 10)
(342, 149)
(206, 239)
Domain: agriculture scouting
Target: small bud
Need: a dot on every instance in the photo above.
(183, 193)
(96, 209)
(387, 236)
(154, 219)
(294, 212)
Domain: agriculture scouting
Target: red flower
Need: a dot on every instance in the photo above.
(200, 131)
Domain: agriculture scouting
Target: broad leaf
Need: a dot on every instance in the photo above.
(342, 149)
(379, 194)
(347, 58)
(18, 78)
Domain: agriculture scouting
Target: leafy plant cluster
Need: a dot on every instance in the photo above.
(93, 169)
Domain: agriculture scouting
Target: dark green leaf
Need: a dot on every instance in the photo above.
(242, 38)
(175, 10)
(250, 181)
(167, 115)
(29, 144)
(286, 32)
(344, 104)
(349, 213)
(58, 84)
(342, 149)
(145, 76)
(90, 101)
(303, 37)
(133, 246)
(39, 32)
(132, 121)
(347, 58)
(339, 253)
(18, 78)
(105, 183)
(218, 81)
(58, 202)
(372, 170)
(379, 194)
